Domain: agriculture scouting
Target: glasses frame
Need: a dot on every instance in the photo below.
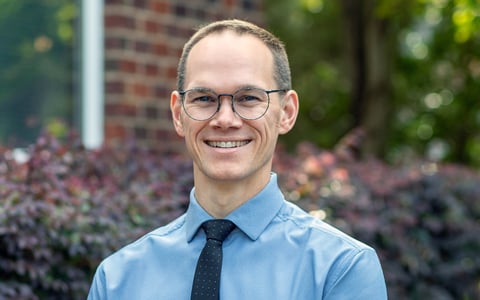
(232, 96)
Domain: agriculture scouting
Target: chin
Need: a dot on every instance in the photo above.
(225, 176)
(224, 173)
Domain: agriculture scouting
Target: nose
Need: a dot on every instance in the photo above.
(226, 116)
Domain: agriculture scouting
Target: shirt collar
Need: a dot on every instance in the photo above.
(252, 217)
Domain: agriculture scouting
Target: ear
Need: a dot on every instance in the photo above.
(289, 112)
(176, 109)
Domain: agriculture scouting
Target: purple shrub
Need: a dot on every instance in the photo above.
(68, 207)
(423, 219)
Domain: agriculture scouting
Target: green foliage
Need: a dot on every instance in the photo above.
(436, 82)
(435, 74)
(36, 67)
(318, 62)
(68, 207)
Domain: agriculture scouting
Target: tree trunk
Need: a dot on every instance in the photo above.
(371, 62)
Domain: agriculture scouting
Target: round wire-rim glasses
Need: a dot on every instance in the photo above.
(250, 103)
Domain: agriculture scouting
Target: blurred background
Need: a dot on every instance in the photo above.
(406, 71)
(387, 146)
(37, 67)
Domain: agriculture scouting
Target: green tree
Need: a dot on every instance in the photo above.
(406, 71)
(36, 66)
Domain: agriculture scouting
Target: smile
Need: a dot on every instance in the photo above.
(227, 144)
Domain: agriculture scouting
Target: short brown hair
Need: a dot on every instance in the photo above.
(281, 74)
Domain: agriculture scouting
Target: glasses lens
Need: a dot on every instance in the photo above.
(251, 103)
(200, 104)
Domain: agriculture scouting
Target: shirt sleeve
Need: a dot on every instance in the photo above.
(97, 289)
(362, 278)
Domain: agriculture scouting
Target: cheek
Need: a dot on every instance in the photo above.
(270, 128)
(191, 130)
(273, 121)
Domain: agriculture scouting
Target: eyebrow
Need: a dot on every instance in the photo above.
(201, 89)
(206, 89)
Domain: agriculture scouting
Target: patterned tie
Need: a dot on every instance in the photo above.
(206, 283)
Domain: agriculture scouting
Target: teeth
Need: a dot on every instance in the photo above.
(228, 144)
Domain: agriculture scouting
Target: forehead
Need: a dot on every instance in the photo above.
(229, 59)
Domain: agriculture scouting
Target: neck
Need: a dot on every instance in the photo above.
(220, 198)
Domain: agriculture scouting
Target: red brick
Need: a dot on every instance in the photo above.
(161, 91)
(116, 21)
(111, 65)
(127, 66)
(152, 26)
(140, 89)
(113, 131)
(115, 87)
(160, 49)
(151, 112)
(115, 43)
(180, 10)
(172, 72)
(120, 109)
(142, 46)
(159, 6)
(152, 70)
(146, 50)
(230, 3)
(166, 135)
(140, 3)
(108, 2)
(140, 132)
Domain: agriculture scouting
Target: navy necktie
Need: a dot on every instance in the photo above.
(206, 283)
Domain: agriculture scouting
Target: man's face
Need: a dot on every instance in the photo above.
(226, 147)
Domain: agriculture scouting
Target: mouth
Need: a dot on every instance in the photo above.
(227, 144)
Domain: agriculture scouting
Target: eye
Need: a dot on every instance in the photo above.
(204, 98)
(248, 98)
(199, 97)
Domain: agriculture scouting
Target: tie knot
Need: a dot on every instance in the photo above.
(218, 229)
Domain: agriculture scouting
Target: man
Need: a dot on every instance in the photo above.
(234, 99)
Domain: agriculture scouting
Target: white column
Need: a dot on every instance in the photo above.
(92, 90)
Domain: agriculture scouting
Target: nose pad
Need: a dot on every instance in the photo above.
(226, 115)
(223, 106)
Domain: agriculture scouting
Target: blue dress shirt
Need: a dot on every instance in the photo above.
(277, 251)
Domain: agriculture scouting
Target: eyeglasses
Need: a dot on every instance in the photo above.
(202, 104)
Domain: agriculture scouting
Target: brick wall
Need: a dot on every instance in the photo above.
(143, 42)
